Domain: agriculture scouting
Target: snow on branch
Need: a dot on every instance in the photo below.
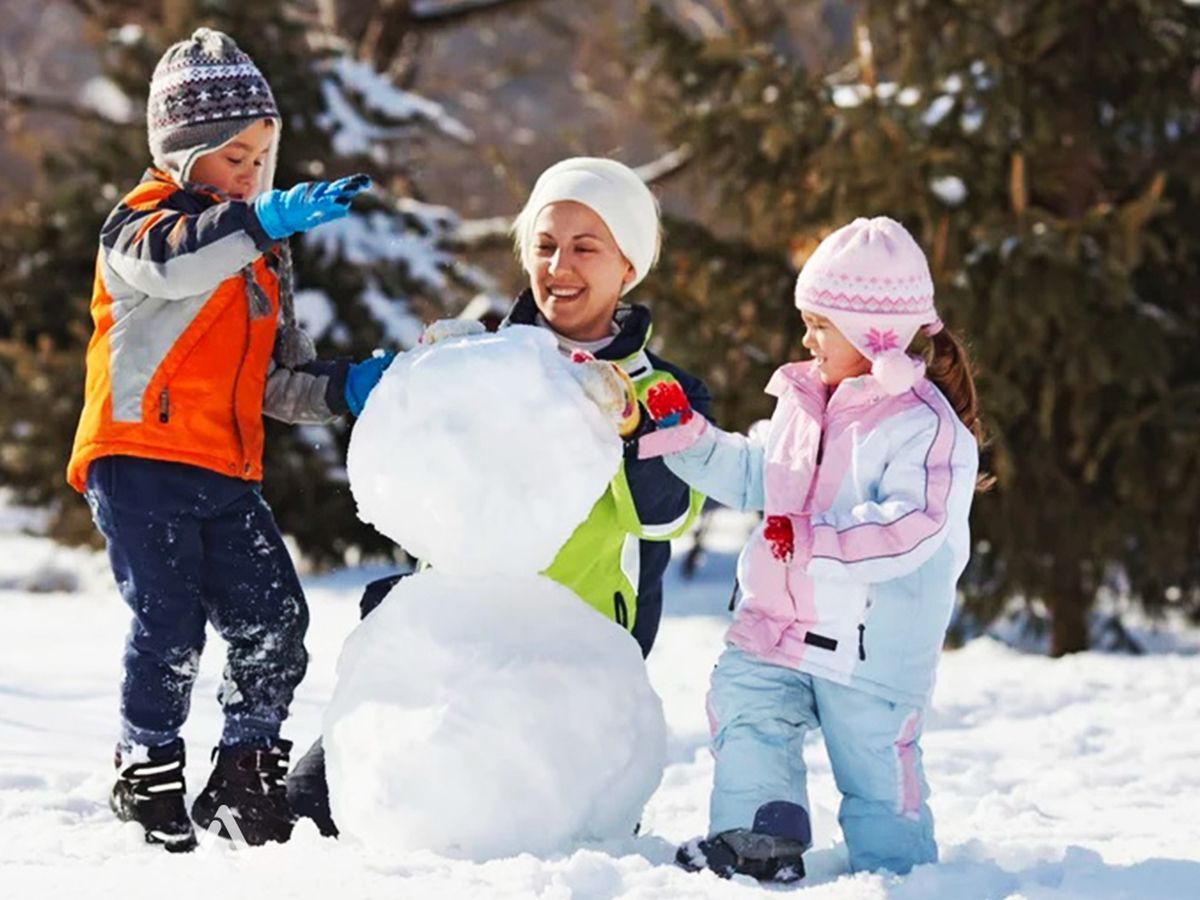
(96, 105)
(670, 163)
(413, 236)
(400, 327)
(475, 234)
(364, 111)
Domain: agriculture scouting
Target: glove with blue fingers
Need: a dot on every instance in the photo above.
(362, 378)
(307, 205)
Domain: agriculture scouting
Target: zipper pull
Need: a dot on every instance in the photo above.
(620, 612)
(862, 651)
(164, 407)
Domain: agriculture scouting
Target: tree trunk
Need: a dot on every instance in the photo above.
(1069, 608)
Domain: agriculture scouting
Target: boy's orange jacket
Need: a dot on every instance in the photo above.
(178, 362)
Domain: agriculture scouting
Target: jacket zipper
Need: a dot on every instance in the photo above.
(237, 377)
(164, 406)
(620, 612)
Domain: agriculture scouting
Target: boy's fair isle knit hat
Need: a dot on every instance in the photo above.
(610, 189)
(872, 281)
(204, 92)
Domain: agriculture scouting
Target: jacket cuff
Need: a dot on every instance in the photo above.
(335, 370)
(262, 240)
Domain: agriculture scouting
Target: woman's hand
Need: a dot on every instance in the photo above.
(446, 329)
(607, 385)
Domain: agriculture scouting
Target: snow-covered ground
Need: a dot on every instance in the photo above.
(1075, 778)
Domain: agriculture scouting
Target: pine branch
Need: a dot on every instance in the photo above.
(90, 9)
(479, 234)
(430, 16)
(666, 166)
(701, 17)
(737, 18)
(17, 99)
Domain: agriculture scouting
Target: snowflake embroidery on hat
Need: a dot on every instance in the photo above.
(881, 341)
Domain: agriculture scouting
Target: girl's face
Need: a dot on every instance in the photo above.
(576, 270)
(236, 168)
(837, 359)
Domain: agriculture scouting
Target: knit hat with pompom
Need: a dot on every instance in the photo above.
(872, 281)
(204, 92)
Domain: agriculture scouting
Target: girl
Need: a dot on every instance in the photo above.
(587, 236)
(866, 477)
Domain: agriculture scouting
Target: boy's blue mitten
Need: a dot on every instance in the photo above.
(307, 205)
(362, 378)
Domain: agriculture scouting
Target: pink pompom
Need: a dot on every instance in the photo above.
(894, 371)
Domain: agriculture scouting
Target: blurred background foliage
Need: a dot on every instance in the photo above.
(1044, 152)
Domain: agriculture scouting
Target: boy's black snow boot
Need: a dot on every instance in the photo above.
(150, 792)
(770, 851)
(246, 794)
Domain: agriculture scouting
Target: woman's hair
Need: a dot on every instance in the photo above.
(949, 367)
(522, 230)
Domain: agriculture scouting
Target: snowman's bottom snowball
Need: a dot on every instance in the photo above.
(483, 717)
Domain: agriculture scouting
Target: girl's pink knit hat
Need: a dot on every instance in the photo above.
(872, 281)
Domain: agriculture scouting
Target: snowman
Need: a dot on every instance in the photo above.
(484, 710)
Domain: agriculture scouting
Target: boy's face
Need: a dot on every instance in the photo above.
(236, 168)
(576, 270)
(837, 359)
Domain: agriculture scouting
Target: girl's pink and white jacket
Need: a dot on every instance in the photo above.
(877, 489)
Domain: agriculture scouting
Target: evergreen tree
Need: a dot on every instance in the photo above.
(365, 282)
(1045, 155)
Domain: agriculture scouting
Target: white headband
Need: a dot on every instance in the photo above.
(614, 192)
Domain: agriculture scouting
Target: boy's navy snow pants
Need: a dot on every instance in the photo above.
(190, 546)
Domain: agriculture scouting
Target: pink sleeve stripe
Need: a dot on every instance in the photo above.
(881, 540)
(906, 756)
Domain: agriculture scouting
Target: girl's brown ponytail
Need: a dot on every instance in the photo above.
(949, 367)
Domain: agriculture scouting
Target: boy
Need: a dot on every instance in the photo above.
(187, 355)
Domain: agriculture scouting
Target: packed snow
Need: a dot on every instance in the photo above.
(519, 453)
(1052, 779)
(483, 717)
(482, 710)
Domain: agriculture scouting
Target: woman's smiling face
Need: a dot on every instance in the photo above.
(576, 270)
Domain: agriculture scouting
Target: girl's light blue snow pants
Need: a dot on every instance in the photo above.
(760, 714)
